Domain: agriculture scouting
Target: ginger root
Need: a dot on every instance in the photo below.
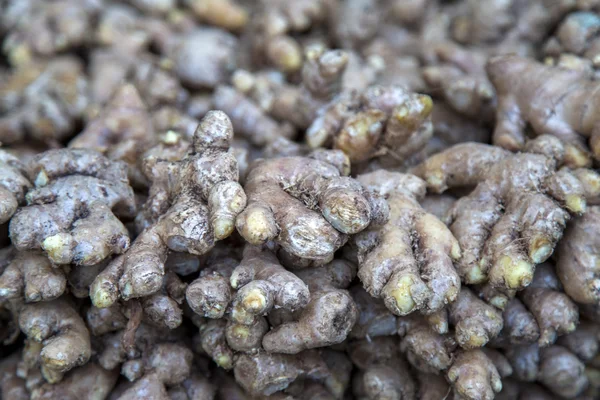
(71, 213)
(547, 108)
(513, 218)
(306, 205)
(13, 185)
(61, 331)
(326, 320)
(474, 376)
(382, 121)
(407, 262)
(196, 201)
(578, 263)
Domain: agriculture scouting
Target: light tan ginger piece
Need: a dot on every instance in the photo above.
(248, 118)
(71, 213)
(382, 121)
(555, 313)
(326, 320)
(273, 27)
(383, 374)
(520, 326)
(475, 322)
(474, 376)
(577, 34)
(210, 294)
(80, 278)
(578, 262)
(42, 30)
(43, 101)
(263, 284)
(307, 205)
(513, 218)
(425, 349)
(201, 198)
(374, 319)
(267, 373)
(32, 277)
(408, 261)
(13, 185)
(11, 385)
(438, 204)
(167, 364)
(583, 342)
(63, 334)
(122, 131)
(564, 95)
(226, 14)
(90, 381)
(212, 341)
(163, 308)
(459, 75)
(246, 338)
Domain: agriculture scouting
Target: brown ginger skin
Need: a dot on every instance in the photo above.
(326, 320)
(374, 319)
(11, 385)
(584, 341)
(513, 218)
(167, 364)
(578, 252)
(201, 198)
(562, 372)
(63, 334)
(382, 372)
(307, 205)
(554, 311)
(520, 326)
(395, 258)
(268, 373)
(565, 116)
(475, 322)
(71, 213)
(13, 185)
(262, 283)
(90, 381)
(43, 101)
(382, 121)
(32, 277)
(474, 376)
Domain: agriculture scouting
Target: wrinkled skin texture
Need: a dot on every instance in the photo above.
(32, 277)
(195, 202)
(475, 322)
(515, 215)
(554, 311)
(71, 213)
(261, 284)
(382, 121)
(61, 331)
(13, 185)
(547, 108)
(578, 260)
(474, 376)
(407, 262)
(306, 205)
(326, 320)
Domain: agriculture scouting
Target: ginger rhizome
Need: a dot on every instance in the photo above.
(517, 212)
(194, 203)
(13, 185)
(71, 212)
(383, 121)
(407, 262)
(62, 333)
(307, 205)
(559, 106)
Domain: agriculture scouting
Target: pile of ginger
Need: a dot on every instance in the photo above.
(317, 199)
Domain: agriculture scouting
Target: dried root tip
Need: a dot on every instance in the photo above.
(225, 14)
(473, 376)
(226, 200)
